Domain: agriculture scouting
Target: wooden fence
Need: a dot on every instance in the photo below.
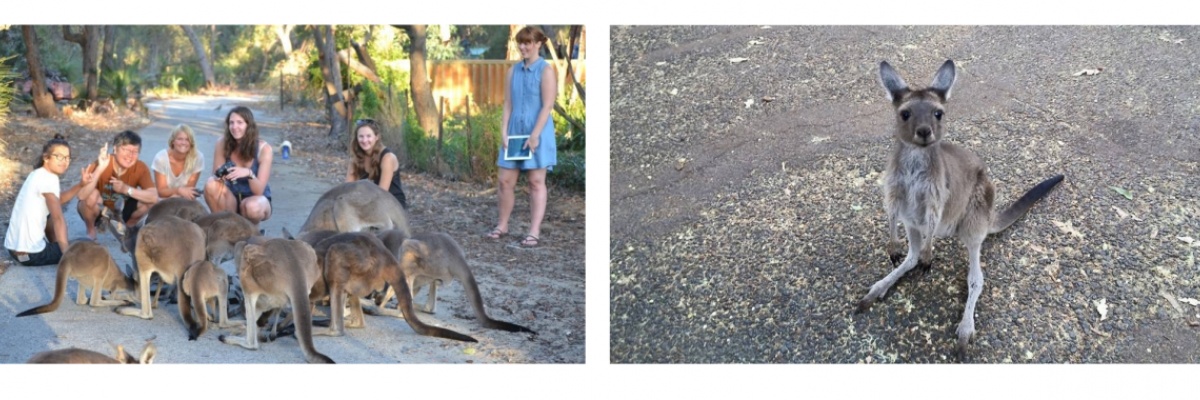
(483, 81)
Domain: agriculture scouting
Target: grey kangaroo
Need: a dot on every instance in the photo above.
(938, 189)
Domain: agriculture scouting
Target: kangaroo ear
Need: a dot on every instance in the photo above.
(148, 354)
(416, 247)
(944, 80)
(892, 82)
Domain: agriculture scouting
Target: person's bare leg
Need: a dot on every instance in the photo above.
(537, 202)
(140, 212)
(256, 209)
(218, 197)
(507, 182)
(89, 209)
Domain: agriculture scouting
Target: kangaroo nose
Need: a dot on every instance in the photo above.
(923, 132)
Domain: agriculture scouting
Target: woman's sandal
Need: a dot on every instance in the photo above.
(495, 234)
(530, 241)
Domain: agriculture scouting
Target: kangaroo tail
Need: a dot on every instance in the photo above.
(60, 288)
(404, 304)
(472, 290)
(303, 323)
(1022, 205)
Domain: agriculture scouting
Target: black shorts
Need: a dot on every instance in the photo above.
(48, 256)
(131, 206)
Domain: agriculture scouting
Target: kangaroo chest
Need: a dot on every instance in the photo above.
(917, 193)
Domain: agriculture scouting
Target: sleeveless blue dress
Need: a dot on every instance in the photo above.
(526, 93)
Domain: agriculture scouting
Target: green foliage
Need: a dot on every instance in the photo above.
(570, 171)
(569, 137)
(369, 102)
(117, 84)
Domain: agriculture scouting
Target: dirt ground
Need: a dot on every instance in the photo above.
(748, 220)
(542, 288)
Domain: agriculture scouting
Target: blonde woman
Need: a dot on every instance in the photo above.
(177, 167)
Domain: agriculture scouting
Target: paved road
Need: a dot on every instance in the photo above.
(384, 340)
(747, 219)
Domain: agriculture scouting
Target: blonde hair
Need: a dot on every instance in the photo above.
(193, 155)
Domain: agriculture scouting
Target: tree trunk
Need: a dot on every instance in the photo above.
(513, 52)
(43, 101)
(576, 33)
(284, 32)
(361, 68)
(108, 53)
(210, 79)
(335, 104)
(89, 40)
(422, 92)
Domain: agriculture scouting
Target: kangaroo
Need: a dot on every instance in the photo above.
(355, 263)
(938, 189)
(356, 206)
(81, 356)
(93, 267)
(433, 259)
(166, 246)
(222, 231)
(177, 206)
(202, 282)
(277, 273)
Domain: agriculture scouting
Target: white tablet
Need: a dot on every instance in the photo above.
(516, 148)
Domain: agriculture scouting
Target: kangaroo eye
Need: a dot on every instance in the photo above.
(905, 114)
(938, 114)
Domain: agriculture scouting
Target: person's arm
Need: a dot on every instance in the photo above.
(218, 155)
(549, 94)
(160, 184)
(350, 170)
(85, 179)
(188, 191)
(258, 183)
(387, 167)
(145, 187)
(94, 170)
(507, 108)
(57, 220)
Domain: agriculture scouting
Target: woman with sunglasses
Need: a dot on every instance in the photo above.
(529, 96)
(370, 159)
(37, 231)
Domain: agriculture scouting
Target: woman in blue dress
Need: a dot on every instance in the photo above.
(529, 96)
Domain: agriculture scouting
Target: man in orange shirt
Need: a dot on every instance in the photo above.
(127, 176)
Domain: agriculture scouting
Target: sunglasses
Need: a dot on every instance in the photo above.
(364, 121)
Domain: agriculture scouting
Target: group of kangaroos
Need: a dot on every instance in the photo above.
(356, 242)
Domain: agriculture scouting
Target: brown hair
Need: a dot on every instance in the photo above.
(48, 149)
(530, 33)
(249, 143)
(366, 162)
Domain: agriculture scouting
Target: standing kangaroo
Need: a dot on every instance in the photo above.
(938, 189)
(166, 246)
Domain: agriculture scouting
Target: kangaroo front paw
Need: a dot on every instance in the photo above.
(896, 259)
(922, 269)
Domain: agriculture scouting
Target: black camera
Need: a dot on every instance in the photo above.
(224, 170)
